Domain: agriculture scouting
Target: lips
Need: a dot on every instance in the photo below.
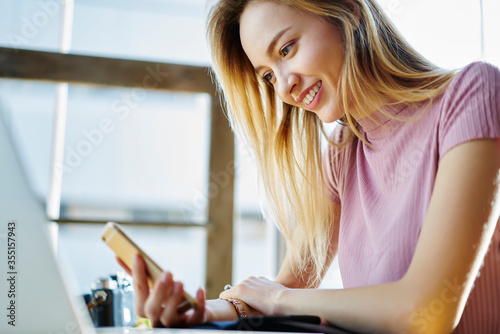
(311, 93)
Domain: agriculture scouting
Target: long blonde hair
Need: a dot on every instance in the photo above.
(380, 67)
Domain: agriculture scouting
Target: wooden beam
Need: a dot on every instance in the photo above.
(132, 223)
(219, 255)
(59, 67)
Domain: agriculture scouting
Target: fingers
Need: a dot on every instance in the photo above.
(198, 315)
(246, 286)
(233, 292)
(225, 294)
(154, 306)
(160, 304)
(170, 315)
(141, 288)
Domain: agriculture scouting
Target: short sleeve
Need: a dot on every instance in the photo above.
(471, 107)
(333, 165)
(331, 177)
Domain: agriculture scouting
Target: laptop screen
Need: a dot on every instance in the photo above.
(33, 294)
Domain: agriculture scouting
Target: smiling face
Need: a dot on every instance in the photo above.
(300, 54)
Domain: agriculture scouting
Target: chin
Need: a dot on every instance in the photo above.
(329, 120)
(329, 117)
(329, 113)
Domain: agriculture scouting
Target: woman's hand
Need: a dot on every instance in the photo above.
(260, 293)
(160, 303)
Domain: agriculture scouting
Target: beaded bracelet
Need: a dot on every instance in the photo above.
(238, 307)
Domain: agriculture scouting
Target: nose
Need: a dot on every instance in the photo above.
(287, 83)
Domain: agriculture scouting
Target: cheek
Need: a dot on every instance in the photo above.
(309, 62)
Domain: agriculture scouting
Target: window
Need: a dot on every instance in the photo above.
(143, 158)
(129, 155)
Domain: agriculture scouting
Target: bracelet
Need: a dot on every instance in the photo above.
(238, 307)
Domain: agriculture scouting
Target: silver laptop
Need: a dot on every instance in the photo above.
(34, 297)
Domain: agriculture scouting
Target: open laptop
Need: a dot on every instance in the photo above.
(34, 298)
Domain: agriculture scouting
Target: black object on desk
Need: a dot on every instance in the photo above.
(294, 323)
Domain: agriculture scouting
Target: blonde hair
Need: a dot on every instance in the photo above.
(379, 68)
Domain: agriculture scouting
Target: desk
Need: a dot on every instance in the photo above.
(124, 330)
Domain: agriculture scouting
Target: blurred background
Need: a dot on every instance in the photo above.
(148, 161)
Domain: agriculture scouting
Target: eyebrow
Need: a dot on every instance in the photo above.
(272, 45)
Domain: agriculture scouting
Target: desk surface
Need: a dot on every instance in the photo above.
(125, 330)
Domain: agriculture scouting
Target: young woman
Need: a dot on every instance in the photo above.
(406, 193)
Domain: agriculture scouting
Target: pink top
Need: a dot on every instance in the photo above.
(385, 193)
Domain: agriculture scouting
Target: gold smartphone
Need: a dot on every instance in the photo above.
(126, 249)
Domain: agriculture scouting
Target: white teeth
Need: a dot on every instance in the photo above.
(312, 93)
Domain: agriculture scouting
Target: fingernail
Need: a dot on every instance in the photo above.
(164, 277)
(135, 260)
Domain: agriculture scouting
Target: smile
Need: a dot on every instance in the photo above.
(312, 93)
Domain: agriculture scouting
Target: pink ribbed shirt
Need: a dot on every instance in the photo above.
(384, 193)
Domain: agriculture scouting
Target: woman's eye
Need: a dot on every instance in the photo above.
(267, 77)
(286, 49)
